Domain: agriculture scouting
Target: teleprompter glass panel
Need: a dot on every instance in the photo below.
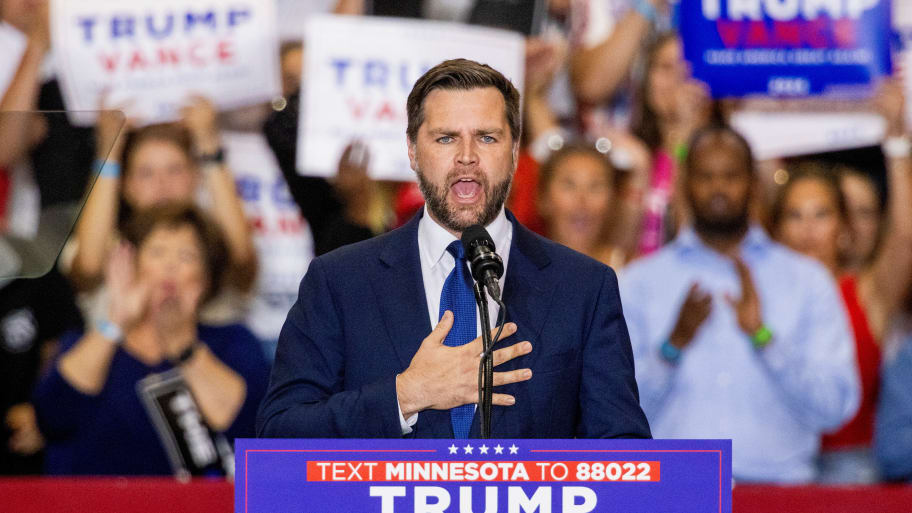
(47, 169)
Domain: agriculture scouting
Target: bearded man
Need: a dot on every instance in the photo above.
(357, 356)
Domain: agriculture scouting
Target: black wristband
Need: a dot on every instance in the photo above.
(186, 354)
(212, 158)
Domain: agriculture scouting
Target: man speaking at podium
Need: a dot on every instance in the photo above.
(357, 356)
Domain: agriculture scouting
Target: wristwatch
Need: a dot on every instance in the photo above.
(217, 157)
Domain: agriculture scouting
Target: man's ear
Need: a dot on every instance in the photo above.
(515, 151)
(412, 154)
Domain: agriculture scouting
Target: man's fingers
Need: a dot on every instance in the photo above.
(476, 347)
(508, 353)
(747, 282)
(439, 333)
(515, 376)
(502, 400)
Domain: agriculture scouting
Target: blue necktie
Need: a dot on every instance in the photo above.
(457, 296)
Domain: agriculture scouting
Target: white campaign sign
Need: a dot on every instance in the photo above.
(282, 237)
(790, 134)
(358, 74)
(150, 55)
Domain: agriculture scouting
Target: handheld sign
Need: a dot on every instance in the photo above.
(150, 55)
(787, 48)
(425, 476)
(358, 73)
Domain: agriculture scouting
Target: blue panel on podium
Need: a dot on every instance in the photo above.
(542, 476)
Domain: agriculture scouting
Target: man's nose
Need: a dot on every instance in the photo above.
(467, 155)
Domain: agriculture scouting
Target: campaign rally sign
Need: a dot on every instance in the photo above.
(281, 235)
(358, 73)
(150, 55)
(515, 476)
(777, 134)
(787, 47)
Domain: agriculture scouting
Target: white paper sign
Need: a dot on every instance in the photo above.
(358, 73)
(789, 134)
(282, 237)
(153, 54)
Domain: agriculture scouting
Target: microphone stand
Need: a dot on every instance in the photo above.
(486, 366)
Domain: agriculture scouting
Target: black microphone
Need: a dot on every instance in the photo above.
(486, 265)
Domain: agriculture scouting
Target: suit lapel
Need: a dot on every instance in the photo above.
(399, 292)
(400, 295)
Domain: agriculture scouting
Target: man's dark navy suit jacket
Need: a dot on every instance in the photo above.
(361, 314)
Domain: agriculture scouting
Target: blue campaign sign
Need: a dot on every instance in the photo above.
(787, 47)
(459, 476)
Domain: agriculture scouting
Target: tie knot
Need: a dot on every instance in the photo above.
(455, 249)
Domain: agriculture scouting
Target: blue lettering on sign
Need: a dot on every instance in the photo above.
(248, 188)
(236, 17)
(155, 32)
(162, 25)
(193, 18)
(376, 73)
(122, 27)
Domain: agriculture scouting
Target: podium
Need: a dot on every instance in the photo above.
(463, 476)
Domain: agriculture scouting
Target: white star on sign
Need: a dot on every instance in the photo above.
(483, 449)
(468, 449)
(453, 449)
(498, 449)
(514, 449)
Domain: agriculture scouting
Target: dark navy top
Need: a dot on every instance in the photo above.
(111, 433)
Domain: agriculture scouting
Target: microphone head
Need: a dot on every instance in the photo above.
(475, 236)
(480, 253)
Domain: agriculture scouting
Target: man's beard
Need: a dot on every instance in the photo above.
(435, 198)
(722, 227)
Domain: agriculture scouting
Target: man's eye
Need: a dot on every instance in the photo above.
(488, 139)
(445, 139)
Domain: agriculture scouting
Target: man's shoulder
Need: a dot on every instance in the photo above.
(796, 267)
(358, 254)
(646, 267)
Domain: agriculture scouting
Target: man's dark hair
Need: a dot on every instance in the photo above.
(720, 130)
(178, 215)
(461, 74)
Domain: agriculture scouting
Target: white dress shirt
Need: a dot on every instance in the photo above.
(436, 265)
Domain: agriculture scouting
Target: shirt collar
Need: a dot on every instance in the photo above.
(435, 238)
(756, 239)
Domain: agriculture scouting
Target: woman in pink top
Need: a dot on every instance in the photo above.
(669, 107)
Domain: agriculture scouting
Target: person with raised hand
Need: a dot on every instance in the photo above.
(142, 167)
(88, 407)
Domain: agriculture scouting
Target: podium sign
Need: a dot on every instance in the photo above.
(460, 476)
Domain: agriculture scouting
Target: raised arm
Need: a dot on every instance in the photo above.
(597, 71)
(22, 93)
(200, 118)
(98, 220)
(884, 283)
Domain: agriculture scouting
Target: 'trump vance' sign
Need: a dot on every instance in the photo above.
(515, 476)
(358, 74)
(787, 47)
(152, 54)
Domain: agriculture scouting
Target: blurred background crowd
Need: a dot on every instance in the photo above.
(769, 302)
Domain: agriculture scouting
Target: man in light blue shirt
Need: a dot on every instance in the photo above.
(735, 336)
